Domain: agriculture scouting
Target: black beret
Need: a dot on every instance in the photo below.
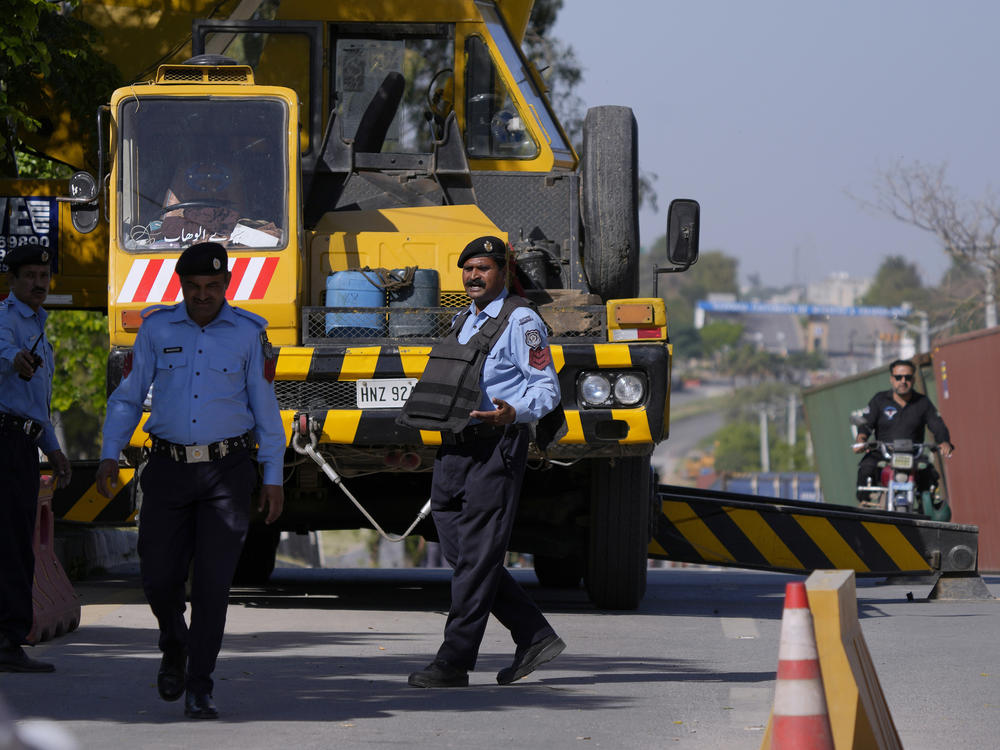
(492, 247)
(203, 259)
(27, 255)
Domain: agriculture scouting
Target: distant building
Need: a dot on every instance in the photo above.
(852, 339)
(837, 289)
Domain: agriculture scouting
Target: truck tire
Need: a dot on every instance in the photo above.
(257, 559)
(610, 187)
(619, 531)
(559, 572)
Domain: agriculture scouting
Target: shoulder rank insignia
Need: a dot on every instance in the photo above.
(540, 356)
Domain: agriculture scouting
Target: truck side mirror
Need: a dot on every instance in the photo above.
(682, 232)
(83, 202)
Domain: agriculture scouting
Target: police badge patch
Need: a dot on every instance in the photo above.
(533, 338)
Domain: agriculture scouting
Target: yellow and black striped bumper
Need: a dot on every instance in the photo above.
(745, 531)
(306, 376)
(81, 502)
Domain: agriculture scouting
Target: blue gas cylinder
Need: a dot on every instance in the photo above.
(353, 289)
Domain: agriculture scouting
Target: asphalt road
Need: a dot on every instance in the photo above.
(319, 659)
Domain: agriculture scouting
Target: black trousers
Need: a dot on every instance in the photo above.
(193, 512)
(474, 497)
(19, 484)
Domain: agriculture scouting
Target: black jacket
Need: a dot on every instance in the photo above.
(890, 421)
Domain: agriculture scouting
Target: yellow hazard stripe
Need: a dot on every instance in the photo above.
(831, 543)
(293, 363)
(612, 355)
(574, 428)
(340, 426)
(91, 503)
(764, 538)
(896, 546)
(430, 437)
(414, 359)
(359, 362)
(558, 357)
(694, 530)
(638, 425)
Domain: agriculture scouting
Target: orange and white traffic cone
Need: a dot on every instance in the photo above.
(800, 717)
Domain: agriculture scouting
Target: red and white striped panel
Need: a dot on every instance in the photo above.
(153, 279)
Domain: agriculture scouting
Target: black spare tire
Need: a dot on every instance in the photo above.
(610, 186)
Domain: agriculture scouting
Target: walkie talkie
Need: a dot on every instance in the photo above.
(36, 360)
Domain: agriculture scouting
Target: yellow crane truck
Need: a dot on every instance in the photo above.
(345, 153)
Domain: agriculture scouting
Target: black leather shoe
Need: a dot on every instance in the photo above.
(13, 659)
(200, 706)
(527, 661)
(170, 678)
(439, 674)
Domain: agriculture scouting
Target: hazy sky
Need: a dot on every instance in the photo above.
(769, 112)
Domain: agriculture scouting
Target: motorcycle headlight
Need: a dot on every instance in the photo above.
(629, 389)
(595, 389)
(902, 461)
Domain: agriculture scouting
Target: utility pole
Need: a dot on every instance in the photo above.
(791, 419)
(765, 456)
(990, 297)
(924, 330)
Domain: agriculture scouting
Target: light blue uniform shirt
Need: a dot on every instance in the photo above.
(519, 368)
(19, 328)
(208, 385)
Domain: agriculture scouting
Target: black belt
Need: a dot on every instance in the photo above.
(476, 432)
(13, 423)
(193, 454)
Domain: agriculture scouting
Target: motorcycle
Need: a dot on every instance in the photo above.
(902, 464)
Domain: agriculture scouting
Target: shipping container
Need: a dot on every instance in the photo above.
(784, 485)
(968, 400)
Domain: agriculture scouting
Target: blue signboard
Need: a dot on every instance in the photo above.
(28, 221)
(790, 309)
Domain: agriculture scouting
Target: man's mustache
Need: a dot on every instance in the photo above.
(39, 289)
(476, 282)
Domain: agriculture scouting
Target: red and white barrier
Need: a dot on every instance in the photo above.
(56, 606)
(800, 717)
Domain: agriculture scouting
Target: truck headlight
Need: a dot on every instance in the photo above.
(629, 389)
(610, 389)
(595, 389)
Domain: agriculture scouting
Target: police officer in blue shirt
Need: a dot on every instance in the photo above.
(477, 481)
(211, 403)
(26, 366)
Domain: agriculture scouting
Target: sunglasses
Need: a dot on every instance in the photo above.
(908, 378)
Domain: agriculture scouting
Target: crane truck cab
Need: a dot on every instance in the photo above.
(345, 153)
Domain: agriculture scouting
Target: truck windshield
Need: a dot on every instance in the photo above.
(516, 63)
(198, 169)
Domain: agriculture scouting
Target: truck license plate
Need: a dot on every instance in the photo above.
(384, 394)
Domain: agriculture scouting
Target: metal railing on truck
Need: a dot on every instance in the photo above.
(420, 326)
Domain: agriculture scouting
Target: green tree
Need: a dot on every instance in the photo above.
(896, 282)
(80, 342)
(736, 446)
(715, 272)
(46, 59)
(720, 335)
(958, 299)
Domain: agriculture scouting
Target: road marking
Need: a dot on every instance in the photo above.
(739, 628)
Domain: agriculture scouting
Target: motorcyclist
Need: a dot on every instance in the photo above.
(898, 414)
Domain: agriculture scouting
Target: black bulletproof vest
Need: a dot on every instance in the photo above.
(449, 388)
